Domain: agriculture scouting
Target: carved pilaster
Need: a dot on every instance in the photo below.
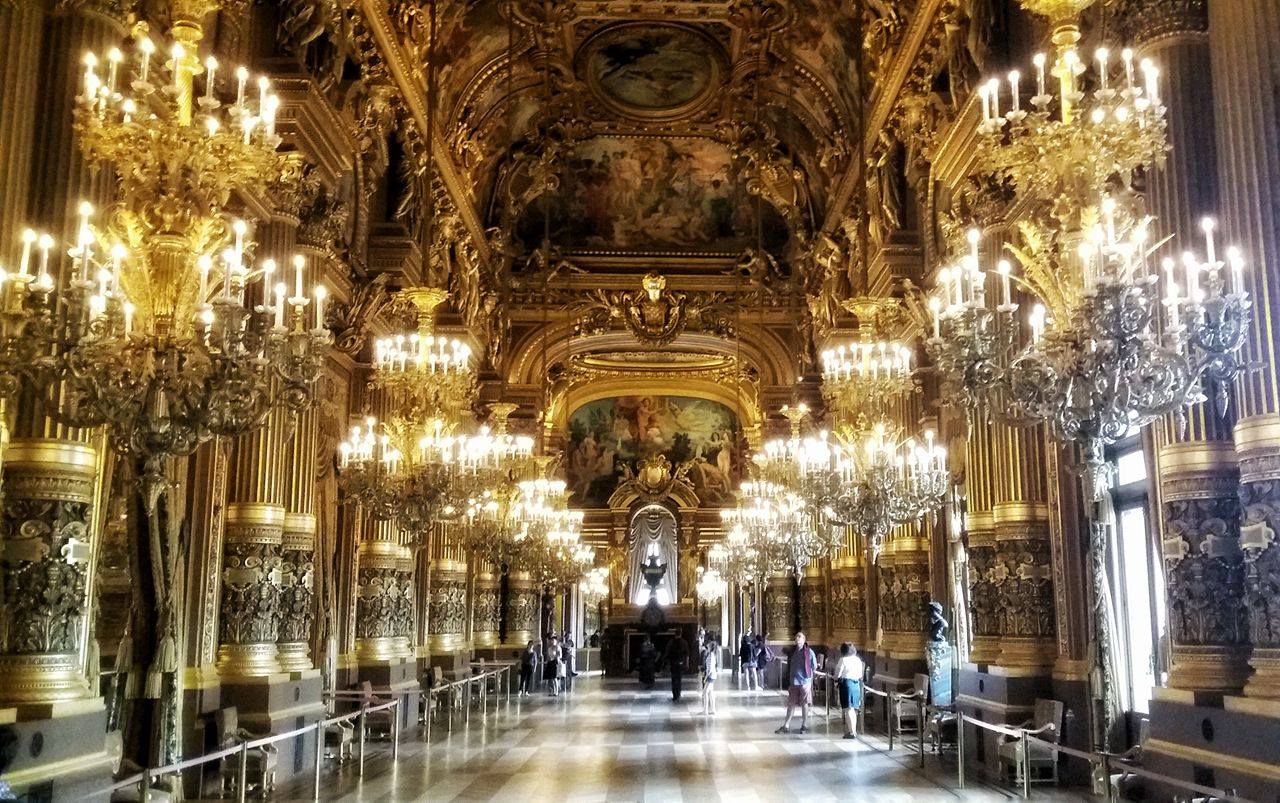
(1259, 460)
(813, 605)
(380, 625)
(486, 609)
(249, 615)
(904, 598)
(848, 609)
(447, 611)
(983, 589)
(1023, 578)
(297, 591)
(20, 39)
(45, 528)
(779, 608)
(521, 609)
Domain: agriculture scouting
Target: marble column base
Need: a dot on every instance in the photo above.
(1232, 745)
(65, 755)
(1265, 681)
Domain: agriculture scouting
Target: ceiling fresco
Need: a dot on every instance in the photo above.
(652, 71)
(649, 193)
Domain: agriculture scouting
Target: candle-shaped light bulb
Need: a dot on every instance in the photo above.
(204, 264)
(44, 243)
(146, 47)
(1236, 260)
(1151, 74)
(269, 110)
(984, 95)
(1102, 55)
(1207, 225)
(935, 306)
(114, 57)
(1004, 269)
(281, 290)
(1039, 62)
(993, 89)
(1126, 56)
(1014, 93)
(211, 125)
(263, 85)
(128, 109)
(29, 238)
(210, 71)
(128, 317)
(299, 261)
(242, 80)
(177, 53)
(321, 294)
(944, 282)
(1192, 266)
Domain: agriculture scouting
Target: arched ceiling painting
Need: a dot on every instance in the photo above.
(644, 128)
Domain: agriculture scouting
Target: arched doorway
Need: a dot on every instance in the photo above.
(653, 532)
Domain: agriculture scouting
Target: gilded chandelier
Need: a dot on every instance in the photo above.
(1105, 354)
(169, 331)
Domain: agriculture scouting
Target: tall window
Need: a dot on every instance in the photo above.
(1137, 580)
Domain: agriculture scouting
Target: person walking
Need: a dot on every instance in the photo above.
(528, 665)
(710, 667)
(849, 672)
(676, 658)
(804, 665)
(746, 660)
(551, 666)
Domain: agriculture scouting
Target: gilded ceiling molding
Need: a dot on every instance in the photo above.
(410, 81)
(1149, 21)
(911, 60)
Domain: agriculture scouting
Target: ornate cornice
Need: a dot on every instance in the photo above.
(413, 92)
(1149, 21)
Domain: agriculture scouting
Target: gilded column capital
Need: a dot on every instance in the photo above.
(1149, 21)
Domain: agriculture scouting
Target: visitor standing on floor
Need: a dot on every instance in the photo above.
(763, 657)
(804, 665)
(569, 652)
(551, 666)
(849, 672)
(647, 663)
(677, 660)
(710, 667)
(528, 665)
(746, 660)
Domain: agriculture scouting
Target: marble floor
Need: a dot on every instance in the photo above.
(610, 740)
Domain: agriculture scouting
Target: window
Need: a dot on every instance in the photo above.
(1137, 581)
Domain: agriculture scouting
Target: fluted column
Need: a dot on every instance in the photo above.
(847, 613)
(298, 548)
(813, 604)
(779, 608)
(1245, 59)
(46, 523)
(981, 531)
(447, 610)
(521, 609)
(250, 611)
(381, 632)
(486, 606)
(1022, 560)
(21, 29)
(1195, 463)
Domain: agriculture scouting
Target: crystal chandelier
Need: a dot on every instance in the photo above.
(860, 376)
(769, 530)
(1102, 353)
(710, 586)
(594, 587)
(171, 332)
(423, 376)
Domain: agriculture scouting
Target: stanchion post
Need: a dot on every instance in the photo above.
(429, 697)
(315, 789)
(1107, 793)
(891, 707)
(395, 730)
(920, 729)
(145, 793)
(960, 751)
(1026, 766)
(242, 777)
(452, 701)
(360, 725)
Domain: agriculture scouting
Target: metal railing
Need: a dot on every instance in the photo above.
(463, 689)
(145, 779)
(1106, 763)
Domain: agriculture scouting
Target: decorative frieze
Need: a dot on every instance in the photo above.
(249, 613)
(45, 531)
(297, 592)
(447, 608)
(779, 608)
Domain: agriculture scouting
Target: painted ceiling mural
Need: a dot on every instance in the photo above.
(652, 71)
(650, 193)
(608, 437)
